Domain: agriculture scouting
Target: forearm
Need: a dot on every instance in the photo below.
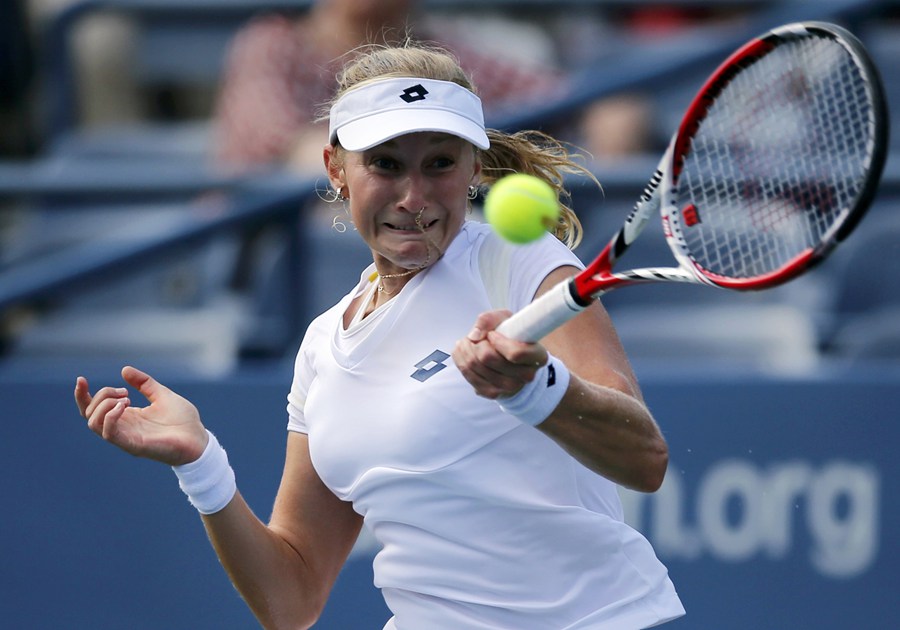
(284, 570)
(275, 581)
(602, 420)
(611, 433)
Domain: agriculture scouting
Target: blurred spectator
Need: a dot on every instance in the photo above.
(618, 126)
(629, 123)
(281, 70)
(16, 81)
(102, 54)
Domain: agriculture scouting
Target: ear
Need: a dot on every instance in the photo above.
(334, 167)
(476, 175)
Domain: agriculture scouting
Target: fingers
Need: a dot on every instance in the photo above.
(82, 395)
(493, 364)
(485, 323)
(142, 382)
(516, 352)
(89, 405)
(510, 351)
(487, 381)
(102, 410)
(105, 410)
(110, 421)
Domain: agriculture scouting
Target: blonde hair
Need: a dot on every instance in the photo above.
(531, 152)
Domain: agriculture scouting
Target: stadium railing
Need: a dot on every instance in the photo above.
(275, 197)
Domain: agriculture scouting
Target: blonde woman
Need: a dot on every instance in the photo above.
(485, 467)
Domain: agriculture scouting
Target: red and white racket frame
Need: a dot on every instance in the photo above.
(570, 297)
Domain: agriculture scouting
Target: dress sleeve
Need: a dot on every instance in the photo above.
(512, 273)
(304, 374)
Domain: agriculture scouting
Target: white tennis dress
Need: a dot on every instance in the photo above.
(484, 522)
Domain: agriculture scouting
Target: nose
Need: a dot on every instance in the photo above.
(415, 193)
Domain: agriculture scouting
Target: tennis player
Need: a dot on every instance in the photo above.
(485, 467)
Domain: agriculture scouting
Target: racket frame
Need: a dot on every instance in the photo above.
(570, 297)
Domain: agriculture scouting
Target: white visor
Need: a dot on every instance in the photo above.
(381, 110)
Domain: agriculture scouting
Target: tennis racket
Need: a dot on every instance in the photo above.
(774, 163)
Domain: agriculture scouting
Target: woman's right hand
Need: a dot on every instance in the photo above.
(168, 430)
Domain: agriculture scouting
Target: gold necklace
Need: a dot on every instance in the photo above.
(408, 272)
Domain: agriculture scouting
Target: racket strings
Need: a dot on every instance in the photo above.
(778, 161)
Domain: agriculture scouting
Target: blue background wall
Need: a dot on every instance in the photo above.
(778, 511)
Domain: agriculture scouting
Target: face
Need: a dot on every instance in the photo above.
(407, 196)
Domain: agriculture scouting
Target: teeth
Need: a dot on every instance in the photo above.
(408, 228)
(411, 228)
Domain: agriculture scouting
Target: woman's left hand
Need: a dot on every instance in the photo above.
(168, 430)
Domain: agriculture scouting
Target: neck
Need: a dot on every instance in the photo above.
(381, 293)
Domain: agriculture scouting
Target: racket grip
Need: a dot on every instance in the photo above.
(550, 311)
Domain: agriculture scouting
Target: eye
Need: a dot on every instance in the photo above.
(443, 162)
(384, 163)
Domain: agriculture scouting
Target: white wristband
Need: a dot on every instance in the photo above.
(537, 400)
(208, 482)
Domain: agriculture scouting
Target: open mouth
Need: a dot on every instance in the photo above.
(414, 227)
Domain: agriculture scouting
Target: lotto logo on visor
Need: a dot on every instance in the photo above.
(414, 93)
(372, 113)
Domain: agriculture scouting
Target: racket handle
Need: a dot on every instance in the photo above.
(550, 311)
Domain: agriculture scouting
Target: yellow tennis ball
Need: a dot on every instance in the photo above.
(521, 208)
